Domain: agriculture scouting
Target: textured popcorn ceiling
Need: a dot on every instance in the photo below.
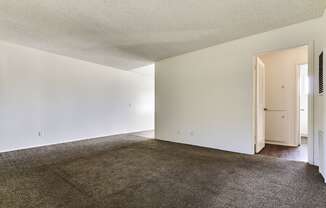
(131, 33)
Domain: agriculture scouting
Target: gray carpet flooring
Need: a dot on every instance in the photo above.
(128, 171)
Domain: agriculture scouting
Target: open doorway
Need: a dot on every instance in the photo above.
(282, 104)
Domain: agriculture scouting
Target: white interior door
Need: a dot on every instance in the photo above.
(260, 103)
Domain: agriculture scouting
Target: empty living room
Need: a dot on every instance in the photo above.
(162, 104)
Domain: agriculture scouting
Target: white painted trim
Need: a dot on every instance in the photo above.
(311, 125)
(70, 140)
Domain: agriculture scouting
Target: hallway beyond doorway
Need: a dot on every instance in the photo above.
(299, 153)
(283, 115)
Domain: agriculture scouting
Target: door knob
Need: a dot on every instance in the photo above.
(265, 109)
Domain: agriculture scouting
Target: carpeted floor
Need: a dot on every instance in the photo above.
(127, 171)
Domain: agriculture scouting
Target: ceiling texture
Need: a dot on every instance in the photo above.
(131, 33)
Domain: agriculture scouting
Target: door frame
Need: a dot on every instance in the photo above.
(311, 77)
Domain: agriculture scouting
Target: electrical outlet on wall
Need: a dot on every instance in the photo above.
(39, 134)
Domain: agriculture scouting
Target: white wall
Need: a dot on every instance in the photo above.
(67, 99)
(205, 97)
(148, 71)
(282, 102)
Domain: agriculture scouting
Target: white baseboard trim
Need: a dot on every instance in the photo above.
(59, 141)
